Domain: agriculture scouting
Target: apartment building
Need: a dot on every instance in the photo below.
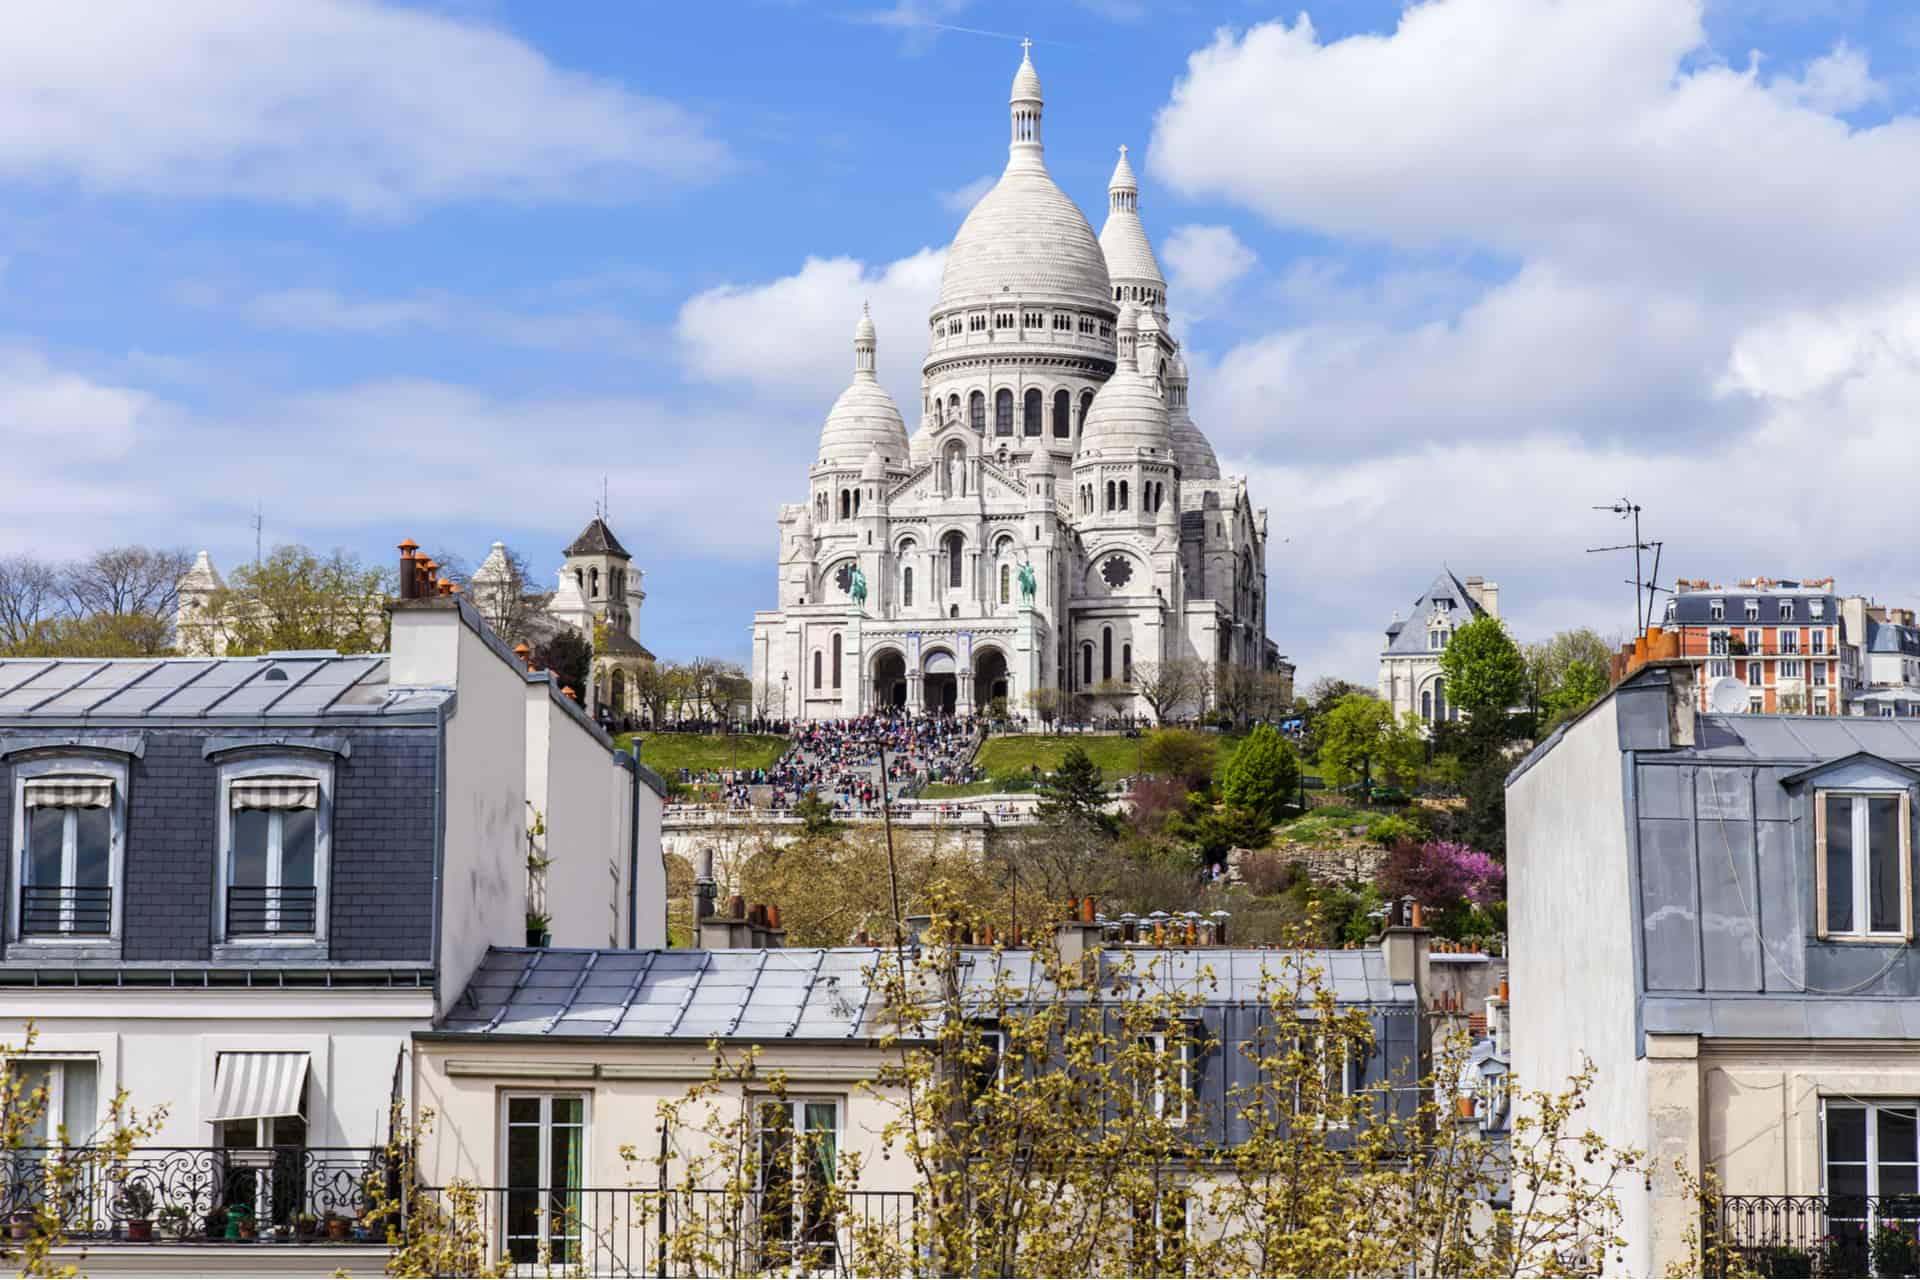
(1767, 646)
(1885, 655)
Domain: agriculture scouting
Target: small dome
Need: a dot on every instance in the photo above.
(874, 468)
(864, 419)
(1026, 81)
(1128, 414)
(1191, 449)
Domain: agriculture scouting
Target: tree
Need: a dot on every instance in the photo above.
(124, 581)
(295, 599)
(1263, 774)
(1566, 673)
(651, 691)
(569, 655)
(1045, 704)
(1075, 793)
(1581, 685)
(1214, 833)
(1353, 734)
(1485, 673)
(1166, 686)
(1322, 696)
(1180, 754)
(510, 600)
(97, 635)
(29, 596)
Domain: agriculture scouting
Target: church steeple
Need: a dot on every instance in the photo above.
(1123, 190)
(1025, 103)
(866, 345)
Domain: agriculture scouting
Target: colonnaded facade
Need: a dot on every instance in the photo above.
(1056, 520)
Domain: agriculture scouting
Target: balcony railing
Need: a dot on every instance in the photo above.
(601, 1231)
(1821, 1235)
(194, 1194)
(255, 910)
(74, 910)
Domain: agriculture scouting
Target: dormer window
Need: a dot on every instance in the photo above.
(1816, 608)
(1673, 607)
(1863, 876)
(275, 838)
(67, 833)
(1753, 611)
(1717, 610)
(1786, 611)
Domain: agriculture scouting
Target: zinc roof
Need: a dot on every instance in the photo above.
(276, 686)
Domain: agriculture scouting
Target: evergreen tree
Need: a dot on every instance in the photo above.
(1263, 774)
(1075, 792)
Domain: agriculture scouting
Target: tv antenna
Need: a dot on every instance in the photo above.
(259, 522)
(1643, 589)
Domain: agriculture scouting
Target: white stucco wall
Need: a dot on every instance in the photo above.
(161, 1046)
(1571, 923)
(586, 858)
(650, 870)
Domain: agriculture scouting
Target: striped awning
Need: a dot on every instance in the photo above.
(258, 1086)
(275, 793)
(66, 791)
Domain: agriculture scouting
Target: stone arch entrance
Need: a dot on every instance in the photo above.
(889, 680)
(990, 679)
(940, 682)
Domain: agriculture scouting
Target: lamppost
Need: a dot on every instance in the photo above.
(784, 714)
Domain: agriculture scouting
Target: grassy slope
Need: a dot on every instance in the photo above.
(667, 752)
(1114, 754)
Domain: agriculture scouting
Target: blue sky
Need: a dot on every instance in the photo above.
(1448, 274)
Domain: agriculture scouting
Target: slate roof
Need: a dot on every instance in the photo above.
(1695, 607)
(1891, 637)
(1409, 635)
(813, 993)
(1803, 739)
(597, 540)
(278, 686)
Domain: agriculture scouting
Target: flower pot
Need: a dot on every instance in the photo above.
(217, 1224)
(140, 1230)
(21, 1226)
(338, 1228)
(306, 1229)
(248, 1230)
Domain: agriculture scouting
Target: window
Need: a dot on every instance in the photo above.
(1790, 669)
(67, 828)
(1717, 609)
(1123, 495)
(1110, 493)
(1006, 583)
(71, 1113)
(1753, 611)
(1436, 639)
(906, 587)
(1864, 885)
(1426, 705)
(274, 833)
(1003, 412)
(1786, 611)
(1164, 1079)
(1755, 705)
(1719, 668)
(816, 669)
(1816, 608)
(1818, 640)
(1086, 666)
(1334, 1065)
(1753, 673)
(1062, 323)
(1753, 639)
(836, 660)
(1789, 641)
(955, 546)
(545, 1160)
(1819, 673)
(1126, 663)
(1716, 642)
(1106, 653)
(1673, 606)
(1062, 415)
(1086, 403)
(1871, 1153)
(1033, 320)
(1819, 703)
(977, 411)
(1032, 411)
(1440, 699)
(989, 1070)
(799, 1165)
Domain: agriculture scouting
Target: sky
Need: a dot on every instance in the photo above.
(1448, 276)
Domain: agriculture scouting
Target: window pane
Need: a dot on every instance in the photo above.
(1840, 867)
(81, 1099)
(33, 1076)
(1846, 1133)
(523, 1151)
(92, 829)
(250, 845)
(1883, 864)
(43, 845)
(1898, 1180)
(523, 1111)
(1896, 1126)
(296, 846)
(565, 1147)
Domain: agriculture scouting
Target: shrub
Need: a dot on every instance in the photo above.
(1263, 774)
(1179, 754)
(1266, 872)
(1154, 801)
(1442, 875)
(1392, 829)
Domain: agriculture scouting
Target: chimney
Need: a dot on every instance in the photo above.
(704, 889)
(409, 583)
(1406, 946)
(734, 927)
(1079, 935)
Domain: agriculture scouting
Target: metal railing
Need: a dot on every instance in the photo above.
(255, 909)
(604, 1231)
(84, 910)
(1820, 1235)
(193, 1194)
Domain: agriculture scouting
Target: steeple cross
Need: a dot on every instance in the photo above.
(1026, 48)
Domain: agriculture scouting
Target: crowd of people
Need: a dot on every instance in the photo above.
(840, 759)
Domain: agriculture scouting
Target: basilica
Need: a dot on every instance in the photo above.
(1057, 519)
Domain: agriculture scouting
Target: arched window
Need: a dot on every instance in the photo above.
(1062, 415)
(1086, 403)
(955, 545)
(1123, 495)
(1003, 412)
(1106, 653)
(953, 407)
(816, 668)
(1109, 495)
(836, 659)
(1086, 666)
(977, 411)
(593, 583)
(846, 504)
(906, 587)
(1426, 705)
(856, 502)
(1006, 582)
(1126, 663)
(1031, 412)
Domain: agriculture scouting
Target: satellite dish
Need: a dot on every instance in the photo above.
(1727, 695)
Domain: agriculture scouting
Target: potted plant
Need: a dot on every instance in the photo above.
(538, 926)
(282, 1232)
(138, 1198)
(306, 1226)
(338, 1228)
(21, 1224)
(1893, 1250)
(217, 1223)
(176, 1222)
(240, 1222)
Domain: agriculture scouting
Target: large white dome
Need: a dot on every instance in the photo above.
(1025, 238)
(864, 420)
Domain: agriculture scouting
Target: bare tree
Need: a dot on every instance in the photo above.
(127, 581)
(29, 596)
(1167, 686)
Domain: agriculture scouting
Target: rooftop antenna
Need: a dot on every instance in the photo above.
(606, 507)
(1642, 608)
(258, 523)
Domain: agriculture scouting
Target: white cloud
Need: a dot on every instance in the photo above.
(790, 340)
(349, 103)
(324, 311)
(962, 199)
(58, 412)
(1836, 82)
(1204, 261)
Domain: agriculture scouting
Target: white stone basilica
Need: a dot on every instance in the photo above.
(1054, 432)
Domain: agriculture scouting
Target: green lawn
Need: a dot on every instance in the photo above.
(668, 752)
(1116, 755)
(956, 790)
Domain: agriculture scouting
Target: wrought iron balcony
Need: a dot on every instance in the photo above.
(66, 910)
(197, 1194)
(1820, 1235)
(270, 910)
